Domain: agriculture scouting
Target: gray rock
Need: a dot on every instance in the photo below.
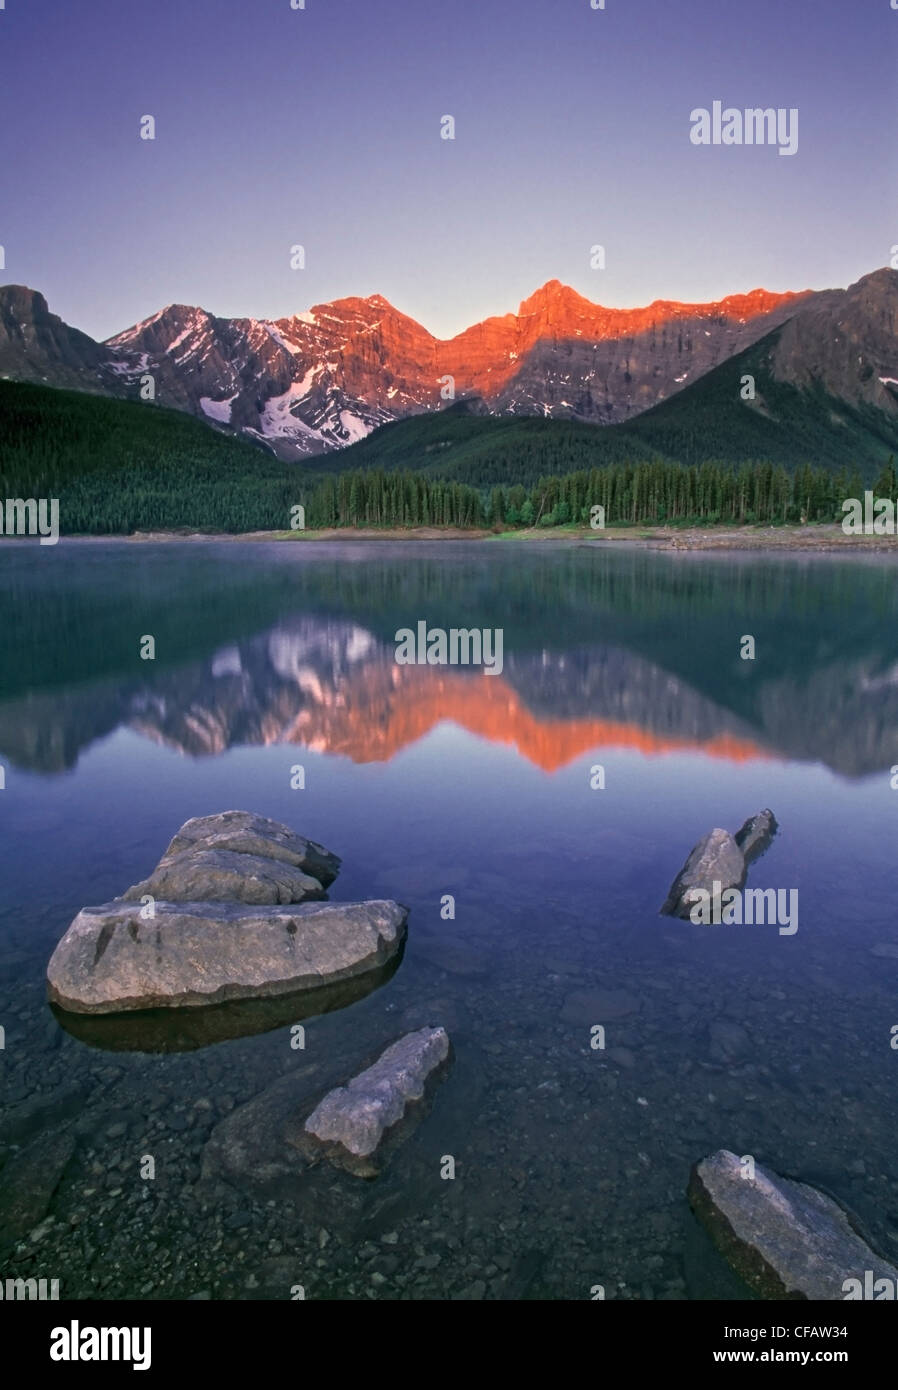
(785, 1239)
(242, 856)
(215, 875)
(756, 835)
(355, 1125)
(184, 1030)
(715, 859)
(112, 959)
(244, 832)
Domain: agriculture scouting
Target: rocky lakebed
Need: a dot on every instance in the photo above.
(338, 1171)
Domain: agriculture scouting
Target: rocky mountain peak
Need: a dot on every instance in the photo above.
(324, 378)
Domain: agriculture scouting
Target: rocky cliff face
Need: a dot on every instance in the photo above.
(845, 341)
(320, 380)
(37, 346)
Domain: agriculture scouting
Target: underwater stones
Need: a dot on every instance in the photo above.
(30, 1179)
(588, 1006)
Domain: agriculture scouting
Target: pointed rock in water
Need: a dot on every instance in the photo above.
(785, 1239)
(715, 859)
(111, 958)
(244, 832)
(357, 1124)
(756, 835)
(222, 875)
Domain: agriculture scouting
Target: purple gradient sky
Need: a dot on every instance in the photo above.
(321, 126)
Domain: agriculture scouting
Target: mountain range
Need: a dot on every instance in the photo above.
(319, 381)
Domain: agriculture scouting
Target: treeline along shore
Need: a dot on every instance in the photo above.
(117, 469)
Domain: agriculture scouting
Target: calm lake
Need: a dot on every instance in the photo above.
(571, 1162)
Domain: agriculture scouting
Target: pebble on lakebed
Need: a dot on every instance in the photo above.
(250, 935)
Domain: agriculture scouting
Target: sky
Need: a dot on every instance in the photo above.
(321, 127)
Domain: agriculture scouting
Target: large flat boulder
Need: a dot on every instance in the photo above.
(356, 1125)
(785, 1239)
(112, 959)
(224, 875)
(185, 1030)
(716, 859)
(244, 832)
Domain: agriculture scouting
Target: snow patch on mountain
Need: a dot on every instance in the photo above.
(353, 427)
(218, 410)
(278, 337)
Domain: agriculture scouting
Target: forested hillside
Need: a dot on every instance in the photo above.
(120, 466)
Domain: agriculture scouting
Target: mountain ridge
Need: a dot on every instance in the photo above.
(307, 383)
(311, 383)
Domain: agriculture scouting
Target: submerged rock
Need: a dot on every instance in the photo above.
(30, 1179)
(785, 1239)
(588, 1006)
(756, 835)
(247, 1147)
(715, 859)
(357, 1124)
(729, 1041)
(111, 958)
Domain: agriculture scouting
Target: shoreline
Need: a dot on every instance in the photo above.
(816, 539)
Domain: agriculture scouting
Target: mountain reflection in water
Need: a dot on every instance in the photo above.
(629, 652)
